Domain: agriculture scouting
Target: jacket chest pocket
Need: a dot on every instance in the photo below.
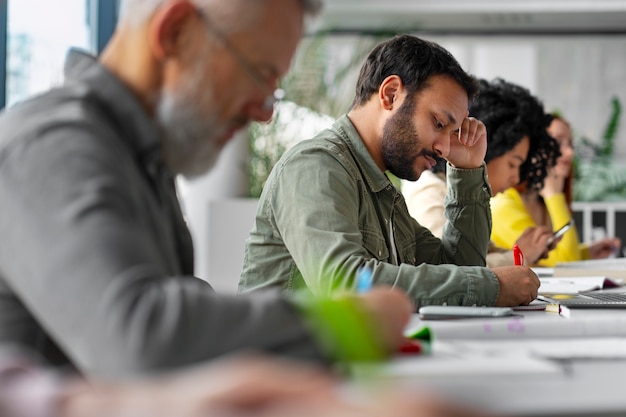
(406, 250)
(374, 243)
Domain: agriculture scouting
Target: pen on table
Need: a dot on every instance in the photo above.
(518, 256)
(545, 299)
(364, 280)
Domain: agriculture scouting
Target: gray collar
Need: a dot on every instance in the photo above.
(142, 133)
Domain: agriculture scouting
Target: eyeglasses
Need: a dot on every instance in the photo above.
(273, 96)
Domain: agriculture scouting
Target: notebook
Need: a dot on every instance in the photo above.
(575, 285)
(589, 299)
(612, 268)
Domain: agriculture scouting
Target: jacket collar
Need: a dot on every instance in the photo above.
(375, 178)
(139, 129)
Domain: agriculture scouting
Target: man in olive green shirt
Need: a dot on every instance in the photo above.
(329, 211)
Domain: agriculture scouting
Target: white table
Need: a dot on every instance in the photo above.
(573, 387)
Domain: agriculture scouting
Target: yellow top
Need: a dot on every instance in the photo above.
(510, 219)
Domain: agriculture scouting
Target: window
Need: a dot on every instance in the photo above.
(38, 41)
(36, 34)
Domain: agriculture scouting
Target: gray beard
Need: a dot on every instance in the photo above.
(190, 142)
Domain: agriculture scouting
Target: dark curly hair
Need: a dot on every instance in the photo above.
(412, 59)
(511, 112)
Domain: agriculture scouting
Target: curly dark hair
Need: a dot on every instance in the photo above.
(412, 59)
(511, 112)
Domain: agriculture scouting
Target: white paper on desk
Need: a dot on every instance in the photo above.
(563, 349)
(469, 366)
(574, 285)
(614, 268)
(542, 271)
(608, 263)
(520, 328)
(601, 348)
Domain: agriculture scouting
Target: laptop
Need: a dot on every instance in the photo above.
(589, 299)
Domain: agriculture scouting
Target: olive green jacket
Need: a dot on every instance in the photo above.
(327, 210)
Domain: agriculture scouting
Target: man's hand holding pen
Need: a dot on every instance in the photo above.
(518, 285)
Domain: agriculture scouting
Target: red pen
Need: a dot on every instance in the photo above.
(518, 255)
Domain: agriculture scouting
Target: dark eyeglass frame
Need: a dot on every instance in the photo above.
(273, 96)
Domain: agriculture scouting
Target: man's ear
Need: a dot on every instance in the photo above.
(170, 27)
(389, 91)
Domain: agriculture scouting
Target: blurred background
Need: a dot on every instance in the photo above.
(570, 53)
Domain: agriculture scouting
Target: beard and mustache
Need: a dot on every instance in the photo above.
(193, 137)
(401, 145)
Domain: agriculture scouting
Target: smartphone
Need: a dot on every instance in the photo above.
(454, 312)
(560, 232)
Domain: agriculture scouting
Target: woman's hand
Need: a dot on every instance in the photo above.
(604, 248)
(534, 243)
(553, 184)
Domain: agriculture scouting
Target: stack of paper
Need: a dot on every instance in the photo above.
(577, 284)
(521, 328)
(612, 268)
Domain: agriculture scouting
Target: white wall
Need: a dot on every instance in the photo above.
(578, 75)
(225, 181)
(512, 59)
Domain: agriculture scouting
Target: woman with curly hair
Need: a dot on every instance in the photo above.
(548, 205)
(518, 150)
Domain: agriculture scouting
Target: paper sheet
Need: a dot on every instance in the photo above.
(470, 366)
(574, 285)
(561, 349)
(528, 327)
